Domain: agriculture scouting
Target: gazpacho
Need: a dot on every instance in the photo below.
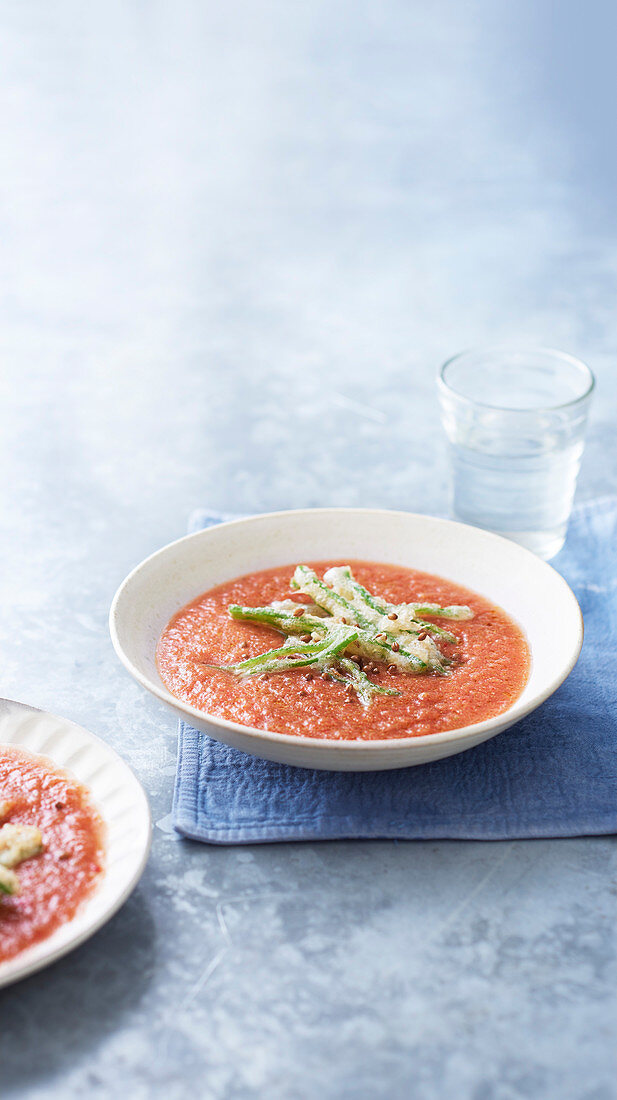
(51, 849)
(369, 651)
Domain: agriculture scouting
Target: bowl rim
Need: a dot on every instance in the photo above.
(512, 714)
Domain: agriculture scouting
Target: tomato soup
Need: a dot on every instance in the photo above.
(489, 670)
(54, 884)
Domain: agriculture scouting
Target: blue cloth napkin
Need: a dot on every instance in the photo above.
(553, 774)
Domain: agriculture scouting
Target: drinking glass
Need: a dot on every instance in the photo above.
(515, 421)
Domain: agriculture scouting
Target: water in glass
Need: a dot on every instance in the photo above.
(515, 424)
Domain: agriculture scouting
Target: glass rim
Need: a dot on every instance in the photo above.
(564, 355)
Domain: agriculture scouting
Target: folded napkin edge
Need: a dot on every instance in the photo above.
(232, 835)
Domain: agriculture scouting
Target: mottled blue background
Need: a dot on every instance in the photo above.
(237, 239)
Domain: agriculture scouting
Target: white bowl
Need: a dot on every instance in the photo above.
(527, 588)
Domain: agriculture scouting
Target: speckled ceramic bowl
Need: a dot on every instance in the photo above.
(527, 588)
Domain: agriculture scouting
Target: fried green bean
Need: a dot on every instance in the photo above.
(296, 655)
(341, 619)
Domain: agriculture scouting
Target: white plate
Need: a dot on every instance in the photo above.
(119, 799)
(527, 588)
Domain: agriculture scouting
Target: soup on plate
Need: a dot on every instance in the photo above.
(344, 650)
(51, 849)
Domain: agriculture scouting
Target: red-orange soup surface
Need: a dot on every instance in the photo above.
(490, 670)
(53, 884)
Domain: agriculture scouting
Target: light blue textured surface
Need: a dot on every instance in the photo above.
(237, 240)
(552, 775)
